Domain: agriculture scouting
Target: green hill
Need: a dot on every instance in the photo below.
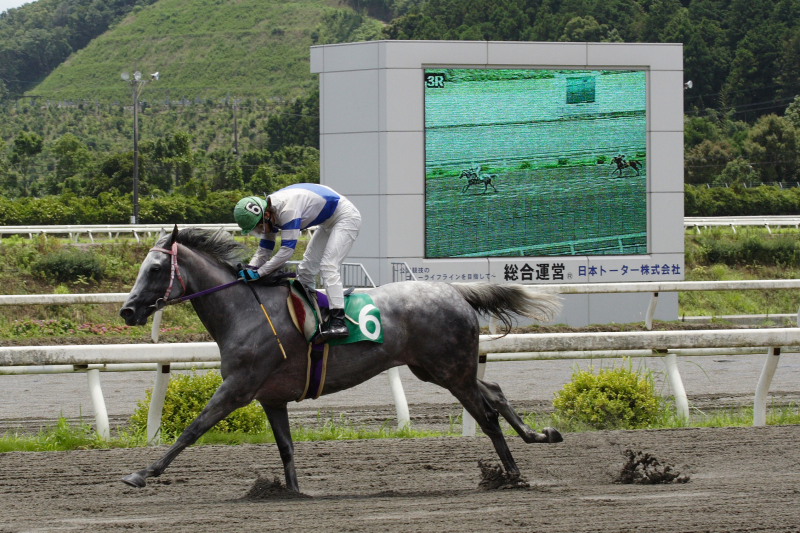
(202, 49)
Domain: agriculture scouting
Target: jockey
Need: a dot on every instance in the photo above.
(291, 210)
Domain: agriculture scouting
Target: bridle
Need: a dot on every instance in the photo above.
(175, 271)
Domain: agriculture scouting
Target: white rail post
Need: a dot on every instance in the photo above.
(98, 403)
(157, 404)
(156, 329)
(671, 362)
(159, 395)
(651, 311)
(399, 395)
(678, 391)
(762, 389)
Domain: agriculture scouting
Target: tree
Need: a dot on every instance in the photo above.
(226, 171)
(298, 124)
(706, 161)
(581, 29)
(773, 144)
(172, 160)
(27, 144)
(3, 159)
(753, 71)
(789, 65)
(659, 16)
(793, 113)
(737, 172)
(72, 159)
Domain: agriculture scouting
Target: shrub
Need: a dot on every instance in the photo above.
(69, 264)
(187, 395)
(613, 398)
(37, 328)
(748, 248)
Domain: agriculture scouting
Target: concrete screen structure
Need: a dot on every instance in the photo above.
(497, 161)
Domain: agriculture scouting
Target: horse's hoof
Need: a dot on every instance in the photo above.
(135, 480)
(552, 435)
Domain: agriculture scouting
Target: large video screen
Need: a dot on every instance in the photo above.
(527, 162)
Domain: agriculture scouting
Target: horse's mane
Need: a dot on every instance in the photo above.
(218, 244)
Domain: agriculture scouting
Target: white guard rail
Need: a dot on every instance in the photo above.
(667, 344)
(768, 222)
(111, 230)
(93, 358)
(137, 230)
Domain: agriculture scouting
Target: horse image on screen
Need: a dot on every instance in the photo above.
(527, 162)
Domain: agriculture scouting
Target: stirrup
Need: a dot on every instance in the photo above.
(334, 327)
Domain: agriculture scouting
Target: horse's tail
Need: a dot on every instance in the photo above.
(504, 301)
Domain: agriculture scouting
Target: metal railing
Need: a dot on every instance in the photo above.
(402, 272)
(111, 231)
(767, 222)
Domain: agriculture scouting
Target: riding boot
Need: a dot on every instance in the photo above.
(333, 328)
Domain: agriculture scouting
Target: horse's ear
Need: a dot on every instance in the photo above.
(175, 233)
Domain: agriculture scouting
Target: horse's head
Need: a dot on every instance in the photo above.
(155, 283)
(165, 278)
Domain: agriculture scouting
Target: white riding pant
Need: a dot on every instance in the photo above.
(327, 250)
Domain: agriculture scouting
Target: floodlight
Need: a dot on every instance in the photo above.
(125, 76)
(137, 76)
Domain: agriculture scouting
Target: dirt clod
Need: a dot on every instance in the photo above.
(644, 469)
(493, 477)
(266, 489)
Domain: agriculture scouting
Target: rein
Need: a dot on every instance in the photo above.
(176, 271)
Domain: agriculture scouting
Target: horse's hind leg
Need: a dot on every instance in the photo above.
(487, 418)
(484, 414)
(279, 422)
(495, 397)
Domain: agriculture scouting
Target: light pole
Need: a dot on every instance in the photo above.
(136, 83)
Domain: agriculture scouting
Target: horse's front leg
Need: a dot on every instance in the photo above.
(227, 399)
(279, 422)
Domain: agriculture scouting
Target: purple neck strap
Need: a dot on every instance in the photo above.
(204, 292)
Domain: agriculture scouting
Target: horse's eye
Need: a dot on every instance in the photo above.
(155, 268)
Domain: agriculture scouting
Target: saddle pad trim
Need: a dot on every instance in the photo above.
(316, 371)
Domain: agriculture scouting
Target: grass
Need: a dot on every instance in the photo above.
(64, 436)
(718, 254)
(207, 55)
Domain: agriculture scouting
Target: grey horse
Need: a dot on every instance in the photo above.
(431, 327)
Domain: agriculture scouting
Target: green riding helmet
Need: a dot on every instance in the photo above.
(249, 212)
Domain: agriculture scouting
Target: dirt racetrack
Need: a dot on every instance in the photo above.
(741, 479)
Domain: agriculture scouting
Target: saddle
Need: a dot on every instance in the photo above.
(307, 310)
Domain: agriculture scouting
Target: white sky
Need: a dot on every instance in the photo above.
(6, 4)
